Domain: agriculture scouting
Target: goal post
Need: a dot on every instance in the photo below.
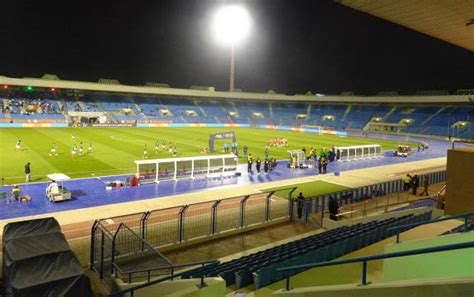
(312, 129)
(153, 171)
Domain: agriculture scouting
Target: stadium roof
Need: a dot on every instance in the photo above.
(210, 93)
(448, 20)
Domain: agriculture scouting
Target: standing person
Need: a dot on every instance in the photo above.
(163, 145)
(170, 148)
(415, 183)
(175, 151)
(27, 172)
(245, 150)
(267, 152)
(325, 165)
(333, 208)
(249, 165)
(299, 205)
(226, 147)
(320, 165)
(406, 182)
(258, 164)
(89, 149)
(53, 151)
(145, 152)
(73, 150)
(157, 147)
(73, 136)
(18, 145)
(265, 165)
(426, 184)
(81, 148)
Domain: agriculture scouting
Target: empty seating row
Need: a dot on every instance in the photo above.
(259, 268)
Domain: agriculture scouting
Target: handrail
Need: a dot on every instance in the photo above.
(154, 282)
(168, 267)
(365, 259)
(466, 216)
(431, 197)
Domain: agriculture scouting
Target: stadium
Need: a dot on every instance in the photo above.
(114, 189)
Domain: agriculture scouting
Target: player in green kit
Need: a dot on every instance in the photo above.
(74, 151)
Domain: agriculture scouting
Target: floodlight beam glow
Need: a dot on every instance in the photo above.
(231, 24)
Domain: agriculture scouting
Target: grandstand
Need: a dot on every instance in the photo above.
(196, 191)
(131, 248)
(424, 115)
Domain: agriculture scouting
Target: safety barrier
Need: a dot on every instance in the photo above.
(364, 260)
(315, 207)
(465, 216)
(163, 227)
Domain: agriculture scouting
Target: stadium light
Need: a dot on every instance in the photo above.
(231, 25)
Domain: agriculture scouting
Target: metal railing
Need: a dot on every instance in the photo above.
(464, 216)
(164, 227)
(318, 205)
(364, 260)
(171, 277)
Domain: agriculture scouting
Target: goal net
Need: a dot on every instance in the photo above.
(157, 170)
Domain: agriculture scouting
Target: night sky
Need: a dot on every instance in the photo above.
(294, 46)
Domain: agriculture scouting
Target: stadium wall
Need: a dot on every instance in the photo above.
(271, 127)
(34, 125)
(459, 184)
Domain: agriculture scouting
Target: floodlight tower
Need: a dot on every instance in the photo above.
(231, 25)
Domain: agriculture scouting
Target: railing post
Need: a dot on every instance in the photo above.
(290, 204)
(398, 236)
(181, 223)
(287, 282)
(267, 206)
(101, 272)
(113, 248)
(92, 255)
(242, 210)
(202, 283)
(466, 224)
(143, 226)
(364, 273)
(214, 216)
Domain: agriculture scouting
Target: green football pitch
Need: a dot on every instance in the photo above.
(115, 149)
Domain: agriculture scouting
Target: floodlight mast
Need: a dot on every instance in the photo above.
(231, 25)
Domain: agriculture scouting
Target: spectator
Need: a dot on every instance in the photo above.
(258, 164)
(324, 162)
(266, 165)
(249, 165)
(333, 208)
(299, 205)
(426, 184)
(27, 172)
(406, 182)
(415, 183)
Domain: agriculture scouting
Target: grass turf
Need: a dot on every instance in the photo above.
(309, 189)
(115, 149)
